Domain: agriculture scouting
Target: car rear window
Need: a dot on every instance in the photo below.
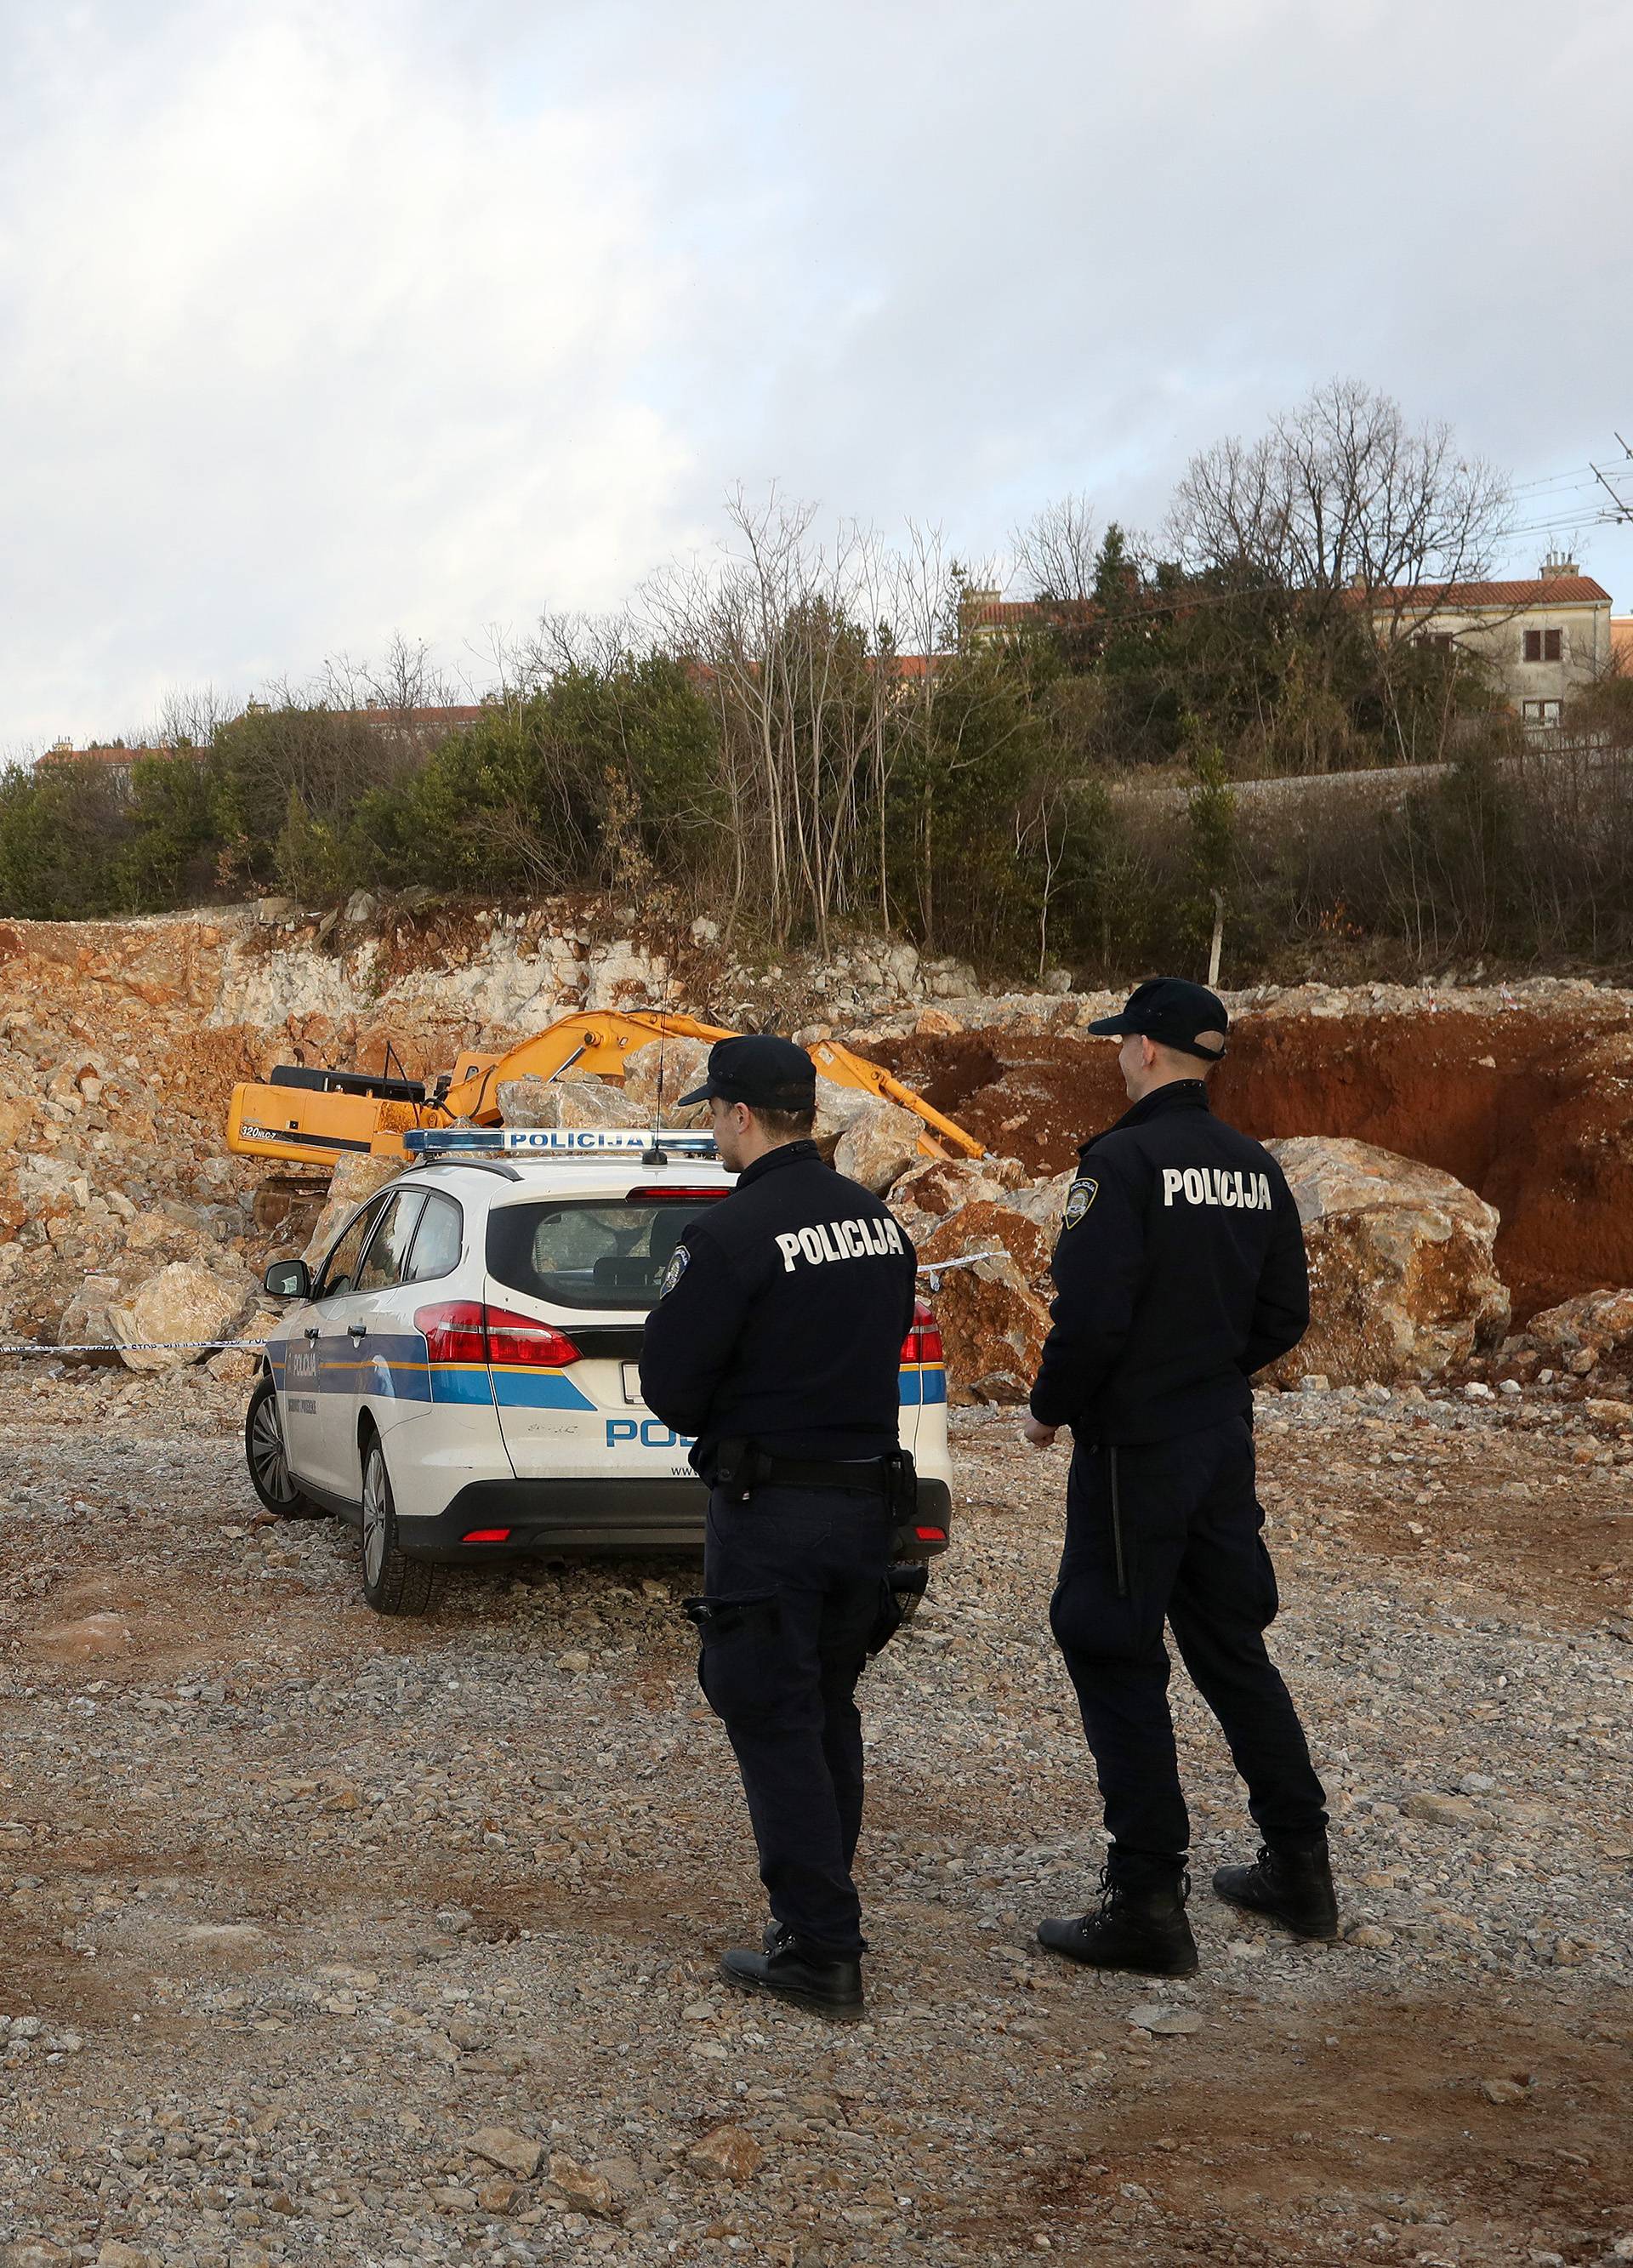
(610, 1253)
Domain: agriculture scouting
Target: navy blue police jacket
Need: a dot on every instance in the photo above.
(783, 1315)
(1180, 1272)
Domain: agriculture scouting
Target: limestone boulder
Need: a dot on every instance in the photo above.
(185, 1300)
(1044, 1203)
(880, 1145)
(838, 1109)
(985, 1226)
(533, 1101)
(940, 1186)
(85, 1319)
(993, 1325)
(356, 1178)
(654, 1075)
(237, 1366)
(1583, 1331)
(1403, 1282)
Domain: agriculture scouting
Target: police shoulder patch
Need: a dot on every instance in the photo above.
(675, 1271)
(1080, 1197)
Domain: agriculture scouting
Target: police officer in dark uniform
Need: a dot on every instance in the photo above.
(778, 1342)
(1180, 1272)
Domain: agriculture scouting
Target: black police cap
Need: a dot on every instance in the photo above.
(765, 1072)
(1172, 1012)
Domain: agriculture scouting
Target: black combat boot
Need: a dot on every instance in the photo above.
(1138, 1925)
(831, 1984)
(1292, 1887)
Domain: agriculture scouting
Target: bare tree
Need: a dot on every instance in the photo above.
(786, 636)
(1055, 551)
(189, 717)
(405, 680)
(1341, 493)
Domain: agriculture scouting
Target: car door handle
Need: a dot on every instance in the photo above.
(312, 1330)
(357, 1331)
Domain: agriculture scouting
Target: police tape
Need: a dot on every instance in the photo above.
(936, 1269)
(131, 1346)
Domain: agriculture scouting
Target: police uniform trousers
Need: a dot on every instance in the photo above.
(794, 1580)
(1170, 1531)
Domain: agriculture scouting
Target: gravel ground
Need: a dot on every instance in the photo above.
(324, 1939)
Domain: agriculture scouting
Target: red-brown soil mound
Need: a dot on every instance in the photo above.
(1533, 1115)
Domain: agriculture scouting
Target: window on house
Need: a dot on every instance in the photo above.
(1541, 713)
(1544, 645)
(1439, 640)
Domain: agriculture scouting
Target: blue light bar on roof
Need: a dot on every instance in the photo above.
(552, 1141)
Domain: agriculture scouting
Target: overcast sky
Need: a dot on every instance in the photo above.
(320, 321)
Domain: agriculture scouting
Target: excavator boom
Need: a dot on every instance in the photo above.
(308, 1116)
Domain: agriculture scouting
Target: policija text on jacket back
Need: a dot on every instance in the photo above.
(777, 1340)
(1180, 1272)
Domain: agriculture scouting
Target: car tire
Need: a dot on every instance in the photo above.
(392, 1583)
(268, 1460)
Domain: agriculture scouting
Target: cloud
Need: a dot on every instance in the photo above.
(320, 321)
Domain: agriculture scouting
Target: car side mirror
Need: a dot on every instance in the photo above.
(288, 1279)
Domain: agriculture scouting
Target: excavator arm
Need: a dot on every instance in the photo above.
(308, 1116)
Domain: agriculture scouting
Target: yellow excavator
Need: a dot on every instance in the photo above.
(309, 1115)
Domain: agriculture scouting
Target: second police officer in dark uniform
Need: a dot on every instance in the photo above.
(1180, 1272)
(778, 1342)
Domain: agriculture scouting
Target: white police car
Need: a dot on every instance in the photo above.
(459, 1378)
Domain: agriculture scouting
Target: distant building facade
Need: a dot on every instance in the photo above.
(421, 729)
(1544, 640)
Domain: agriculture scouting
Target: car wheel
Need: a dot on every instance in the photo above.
(268, 1460)
(392, 1583)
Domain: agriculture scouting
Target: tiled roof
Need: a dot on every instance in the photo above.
(1560, 591)
(113, 757)
(465, 713)
(1016, 613)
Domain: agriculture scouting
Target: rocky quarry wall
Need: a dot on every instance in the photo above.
(1461, 1159)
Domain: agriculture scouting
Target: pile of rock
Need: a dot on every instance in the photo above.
(1403, 1286)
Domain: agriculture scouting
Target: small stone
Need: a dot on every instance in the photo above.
(511, 2152)
(1167, 2023)
(1371, 1937)
(1438, 1811)
(572, 1662)
(1502, 2090)
(498, 2195)
(730, 2152)
(584, 2188)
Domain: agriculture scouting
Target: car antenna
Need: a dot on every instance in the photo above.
(654, 1154)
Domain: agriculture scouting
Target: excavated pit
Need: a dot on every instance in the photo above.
(119, 1042)
(1532, 1110)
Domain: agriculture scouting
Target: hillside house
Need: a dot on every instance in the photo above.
(1543, 639)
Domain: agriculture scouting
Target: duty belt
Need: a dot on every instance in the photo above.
(741, 1467)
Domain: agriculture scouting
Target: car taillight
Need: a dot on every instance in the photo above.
(666, 1193)
(486, 1535)
(453, 1331)
(521, 1339)
(466, 1330)
(923, 1343)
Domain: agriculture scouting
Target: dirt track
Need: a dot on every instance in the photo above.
(301, 1900)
